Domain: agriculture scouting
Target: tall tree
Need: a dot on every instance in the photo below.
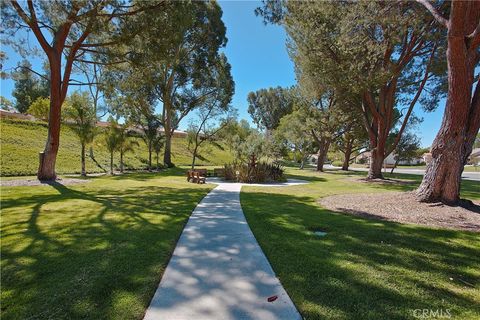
(235, 133)
(64, 30)
(82, 119)
(382, 52)
(205, 127)
(171, 62)
(268, 106)
(291, 131)
(214, 110)
(461, 119)
(28, 87)
(352, 140)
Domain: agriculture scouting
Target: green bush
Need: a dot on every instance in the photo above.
(337, 163)
(259, 173)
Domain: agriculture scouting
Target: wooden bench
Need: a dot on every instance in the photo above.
(196, 176)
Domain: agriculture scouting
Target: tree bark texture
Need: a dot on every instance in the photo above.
(84, 172)
(323, 147)
(149, 155)
(111, 163)
(348, 154)
(121, 161)
(461, 120)
(46, 169)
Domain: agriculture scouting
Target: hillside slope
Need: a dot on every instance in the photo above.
(21, 141)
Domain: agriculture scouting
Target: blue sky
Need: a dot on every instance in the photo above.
(259, 59)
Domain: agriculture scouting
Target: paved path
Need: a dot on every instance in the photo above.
(218, 270)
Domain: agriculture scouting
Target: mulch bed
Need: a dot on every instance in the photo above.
(36, 182)
(404, 208)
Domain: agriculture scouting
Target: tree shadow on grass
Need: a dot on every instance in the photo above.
(89, 254)
(145, 175)
(469, 188)
(307, 178)
(362, 269)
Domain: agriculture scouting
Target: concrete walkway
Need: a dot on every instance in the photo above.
(218, 270)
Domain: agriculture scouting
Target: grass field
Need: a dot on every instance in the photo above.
(21, 141)
(91, 251)
(362, 269)
(98, 250)
(468, 168)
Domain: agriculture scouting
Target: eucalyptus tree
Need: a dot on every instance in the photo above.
(291, 130)
(352, 140)
(461, 120)
(65, 31)
(385, 53)
(172, 59)
(235, 133)
(81, 117)
(27, 86)
(214, 111)
(268, 106)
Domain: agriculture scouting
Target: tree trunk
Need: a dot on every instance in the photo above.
(348, 153)
(395, 165)
(158, 167)
(121, 161)
(376, 164)
(111, 163)
(461, 119)
(302, 163)
(46, 168)
(149, 155)
(194, 157)
(167, 156)
(322, 154)
(84, 172)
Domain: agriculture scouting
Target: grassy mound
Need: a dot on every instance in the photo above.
(21, 141)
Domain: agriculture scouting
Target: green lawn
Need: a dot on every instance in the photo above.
(91, 251)
(362, 269)
(468, 168)
(21, 141)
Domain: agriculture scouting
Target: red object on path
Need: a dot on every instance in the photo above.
(272, 298)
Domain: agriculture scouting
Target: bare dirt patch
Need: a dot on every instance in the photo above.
(36, 182)
(404, 208)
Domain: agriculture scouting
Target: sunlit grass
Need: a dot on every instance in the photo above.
(91, 251)
(362, 269)
(21, 142)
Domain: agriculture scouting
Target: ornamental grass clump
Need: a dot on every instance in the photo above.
(254, 172)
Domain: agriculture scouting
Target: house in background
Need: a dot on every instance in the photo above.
(474, 157)
(364, 158)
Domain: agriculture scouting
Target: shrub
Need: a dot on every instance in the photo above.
(337, 163)
(259, 173)
(40, 108)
